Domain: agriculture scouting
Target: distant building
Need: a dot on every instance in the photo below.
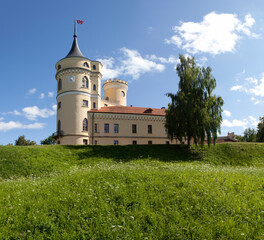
(84, 117)
(229, 138)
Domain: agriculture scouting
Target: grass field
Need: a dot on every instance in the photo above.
(132, 192)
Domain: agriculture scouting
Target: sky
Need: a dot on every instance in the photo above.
(138, 41)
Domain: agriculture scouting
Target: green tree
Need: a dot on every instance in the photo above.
(21, 141)
(49, 141)
(260, 131)
(194, 112)
(249, 135)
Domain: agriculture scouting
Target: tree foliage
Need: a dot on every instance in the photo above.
(260, 131)
(249, 135)
(49, 140)
(21, 141)
(194, 112)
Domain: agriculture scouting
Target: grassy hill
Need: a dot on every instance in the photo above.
(132, 192)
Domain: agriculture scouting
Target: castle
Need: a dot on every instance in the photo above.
(84, 117)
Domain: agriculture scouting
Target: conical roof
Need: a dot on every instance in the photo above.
(75, 50)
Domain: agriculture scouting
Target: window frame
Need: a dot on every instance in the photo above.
(116, 142)
(85, 82)
(150, 129)
(106, 128)
(59, 85)
(85, 125)
(85, 101)
(116, 128)
(134, 128)
(95, 128)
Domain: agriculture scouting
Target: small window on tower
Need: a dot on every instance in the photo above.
(59, 67)
(85, 124)
(94, 87)
(86, 65)
(59, 105)
(94, 67)
(85, 103)
(123, 93)
(85, 83)
(94, 105)
(59, 85)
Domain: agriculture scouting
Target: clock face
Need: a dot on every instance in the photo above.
(71, 78)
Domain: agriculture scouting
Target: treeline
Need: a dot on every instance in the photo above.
(252, 135)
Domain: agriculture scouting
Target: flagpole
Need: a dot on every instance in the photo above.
(75, 31)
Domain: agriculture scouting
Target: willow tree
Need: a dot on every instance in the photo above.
(194, 112)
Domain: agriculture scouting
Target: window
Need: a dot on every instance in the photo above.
(150, 142)
(59, 85)
(59, 126)
(85, 141)
(95, 127)
(58, 142)
(166, 130)
(123, 93)
(167, 142)
(105, 105)
(149, 128)
(85, 103)
(134, 142)
(59, 105)
(95, 142)
(106, 128)
(85, 83)
(86, 64)
(94, 87)
(94, 105)
(85, 124)
(107, 98)
(116, 128)
(134, 128)
(94, 67)
(115, 142)
(59, 67)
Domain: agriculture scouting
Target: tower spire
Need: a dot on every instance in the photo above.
(75, 50)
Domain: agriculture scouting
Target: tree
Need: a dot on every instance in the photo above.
(249, 135)
(260, 131)
(194, 112)
(21, 141)
(49, 141)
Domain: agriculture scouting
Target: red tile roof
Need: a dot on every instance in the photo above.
(131, 110)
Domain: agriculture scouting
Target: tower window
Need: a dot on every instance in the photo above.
(86, 65)
(115, 142)
(116, 128)
(94, 105)
(85, 124)
(94, 67)
(123, 93)
(59, 67)
(85, 83)
(106, 128)
(94, 87)
(149, 128)
(59, 105)
(59, 85)
(59, 127)
(134, 128)
(85, 103)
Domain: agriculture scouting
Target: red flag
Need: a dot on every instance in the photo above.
(80, 21)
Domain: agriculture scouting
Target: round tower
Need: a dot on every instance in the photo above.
(78, 91)
(115, 91)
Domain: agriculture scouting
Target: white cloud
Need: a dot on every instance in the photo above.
(32, 91)
(235, 123)
(254, 121)
(1, 118)
(54, 107)
(50, 94)
(15, 112)
(239, 88)
(130, 64)
(32, 113)
(252, 80)
(171, 59)
(227, 113)
(42, 96)
(217, 33)
(6, 126)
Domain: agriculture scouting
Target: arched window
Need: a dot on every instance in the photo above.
(85, 124)
(94, 67)
(86, 64)
(59, 126)
(94, 87)
(59, 85)
(85, 82)
(59, 67)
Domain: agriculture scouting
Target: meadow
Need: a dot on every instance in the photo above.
(132, 192)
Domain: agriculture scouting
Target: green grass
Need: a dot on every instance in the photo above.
(132, 192)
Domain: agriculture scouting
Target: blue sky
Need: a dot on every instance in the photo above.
(138, 41)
